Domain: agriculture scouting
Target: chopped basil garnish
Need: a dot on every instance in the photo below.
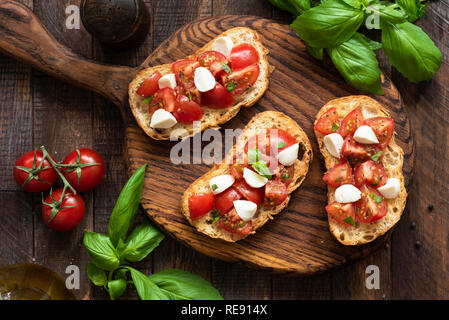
(349, 221)
(190, 95)
(376, 157)
(253, 155)
(286, 176)
(216, 214)
(231, 86)
(214, 187)
(339, 178)
(377, 199)
(147, 99)
(281, 144)
(335, 127)
(262, 169)
(226, 67)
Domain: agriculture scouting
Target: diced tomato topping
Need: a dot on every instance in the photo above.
(214, 61)
(275, 193)
(351, 122)
(150, 85)
(372, 206)
(343, 213)
(225, 200)
(372, 173)
(192, 93)
(200, 204)
(231, 222)
(184, 71)
(163, 99)
(285, 174)
(187, 111)
(243, 55)
(383, 127)
(218, 98)
(255, 195)
(270, 143)
(328, 122)
(241, 80)
(355, 152)
(339, 175)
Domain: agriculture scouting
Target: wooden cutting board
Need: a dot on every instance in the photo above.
(297, 240)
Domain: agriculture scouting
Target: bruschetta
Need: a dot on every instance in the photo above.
(210, 86)
(254, 182)
(366, 192)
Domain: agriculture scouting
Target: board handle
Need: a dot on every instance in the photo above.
(24, 37)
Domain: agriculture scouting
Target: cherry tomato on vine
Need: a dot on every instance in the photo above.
(88, 171)
(63, 213)
(32, 175)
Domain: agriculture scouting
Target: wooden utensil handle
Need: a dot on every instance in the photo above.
(23, 36)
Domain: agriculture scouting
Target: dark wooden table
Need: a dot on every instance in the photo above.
(39, 110)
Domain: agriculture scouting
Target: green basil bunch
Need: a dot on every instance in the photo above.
(111, 254)
(332, 26)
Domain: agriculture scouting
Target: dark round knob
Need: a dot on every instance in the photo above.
(115, 22)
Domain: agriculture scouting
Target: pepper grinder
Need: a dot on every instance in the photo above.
(117, 23)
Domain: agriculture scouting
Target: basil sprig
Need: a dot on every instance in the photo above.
(262, 169)
(111, 254)
(331, 26)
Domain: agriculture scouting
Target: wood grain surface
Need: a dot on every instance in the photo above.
(407, 271)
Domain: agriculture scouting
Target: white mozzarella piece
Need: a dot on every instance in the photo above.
(254, 179)
(245, 209)
(167, 81)
(223, 45)
(162, 119)
(288, 156)
(365, 135)
(204, 80)
(334, 143)
(219, 184)
(347, 193)
(391, 189)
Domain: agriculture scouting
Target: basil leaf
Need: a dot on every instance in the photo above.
(140, 243)
(328, 25)
(96, 275)
(225, 68)
(350, 221)
(101, 251)
(335, 127)
(181, 285)
(286, 6)
(358, 65)
(317, 53)
(116, 288)
(353, 3)
(254, 155)
(147, 99)
(262, 169)
(376, 156)
(300, 5)
(281, 145)
(126, 206)
(374, 45)
(146, 288)
(377, 199)
(411, 51)
(121, 274)
(386, 13)
(414, 9)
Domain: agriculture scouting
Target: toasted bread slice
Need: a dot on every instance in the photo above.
(392, 160)
(212, 117)
(262, 121)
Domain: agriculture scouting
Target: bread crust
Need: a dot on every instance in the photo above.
(262, 121)
(392, 160)
(212, 117)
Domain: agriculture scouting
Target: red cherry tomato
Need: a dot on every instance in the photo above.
(372, 173)
(184, 71)
(355, 152)
(372, 206)
(91, 172)
(351, 122)
(217, 98)
(27, 175)
(231, 222)
(225, 200)
(255, 195)
(187, 111)
(243, 55)
(214, 61)
(275, 193)
(67, 214)
(339, 175)
(163, 99)
(272, 142)
(150, 85)
(343, 213)
(328, 122)
(241, 80)
(192, 93)
(383, 128)
(200, 204)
